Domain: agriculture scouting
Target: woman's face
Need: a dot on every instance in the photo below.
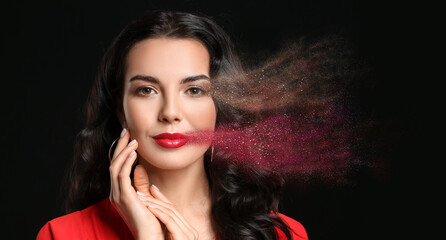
(167, 91)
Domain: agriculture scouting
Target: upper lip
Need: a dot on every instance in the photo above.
(168, 135)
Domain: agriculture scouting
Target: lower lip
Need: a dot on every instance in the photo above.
(170, 143)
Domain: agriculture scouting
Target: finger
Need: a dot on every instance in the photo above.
(125, 181)
(116, 167)
(122, 142)
(122, 150)
(174, 225)
(120, 157)
(113, 168)
(158, 195)
(160, 200)
(141, 180)
(154, 190)
(167, 207)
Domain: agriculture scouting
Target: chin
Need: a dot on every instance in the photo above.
(173, 159)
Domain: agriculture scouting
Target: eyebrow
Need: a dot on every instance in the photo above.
(144, 78)
(151, 79)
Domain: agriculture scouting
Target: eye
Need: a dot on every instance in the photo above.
(145, 91)
(195, 91)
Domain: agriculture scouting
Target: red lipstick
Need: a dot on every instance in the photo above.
(171, 140)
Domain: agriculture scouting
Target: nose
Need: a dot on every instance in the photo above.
(170, 110)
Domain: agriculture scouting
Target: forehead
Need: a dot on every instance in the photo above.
(167, 58)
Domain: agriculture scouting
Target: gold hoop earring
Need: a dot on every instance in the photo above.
(110, 149)
(212, 153)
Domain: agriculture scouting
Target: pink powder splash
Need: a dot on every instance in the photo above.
(301, 95)
(288, 146)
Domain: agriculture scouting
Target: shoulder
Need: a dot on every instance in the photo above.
(297, 229)
(60, 227)
(99, 221)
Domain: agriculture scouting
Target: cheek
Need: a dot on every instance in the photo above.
(138, 116)
(202, 114)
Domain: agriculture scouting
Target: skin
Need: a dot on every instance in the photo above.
(166, 89)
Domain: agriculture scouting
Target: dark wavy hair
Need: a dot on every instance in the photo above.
(244, 199)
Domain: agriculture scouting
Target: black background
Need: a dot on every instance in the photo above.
(49, 53)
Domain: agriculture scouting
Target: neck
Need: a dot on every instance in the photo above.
(186, 188)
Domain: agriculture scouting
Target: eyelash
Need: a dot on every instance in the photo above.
(200, 90)
(142, 91)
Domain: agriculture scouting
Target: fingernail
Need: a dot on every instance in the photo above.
(156, 188)
(132, 142)
(132, 153)
(152, 206)
(140, 193)
(123, 132)
(142, 198)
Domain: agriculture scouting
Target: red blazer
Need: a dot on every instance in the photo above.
(102, 221)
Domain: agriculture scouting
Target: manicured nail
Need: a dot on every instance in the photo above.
(140, 193)
(123, 132)
(142, 198)
(132, 153)
(152, 206)
(132, 142)
(156, 188)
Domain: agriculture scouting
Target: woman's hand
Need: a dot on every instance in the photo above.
(146, 211)
(176, 226)
(142, 222)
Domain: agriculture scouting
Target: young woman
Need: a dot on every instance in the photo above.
(154, 89)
